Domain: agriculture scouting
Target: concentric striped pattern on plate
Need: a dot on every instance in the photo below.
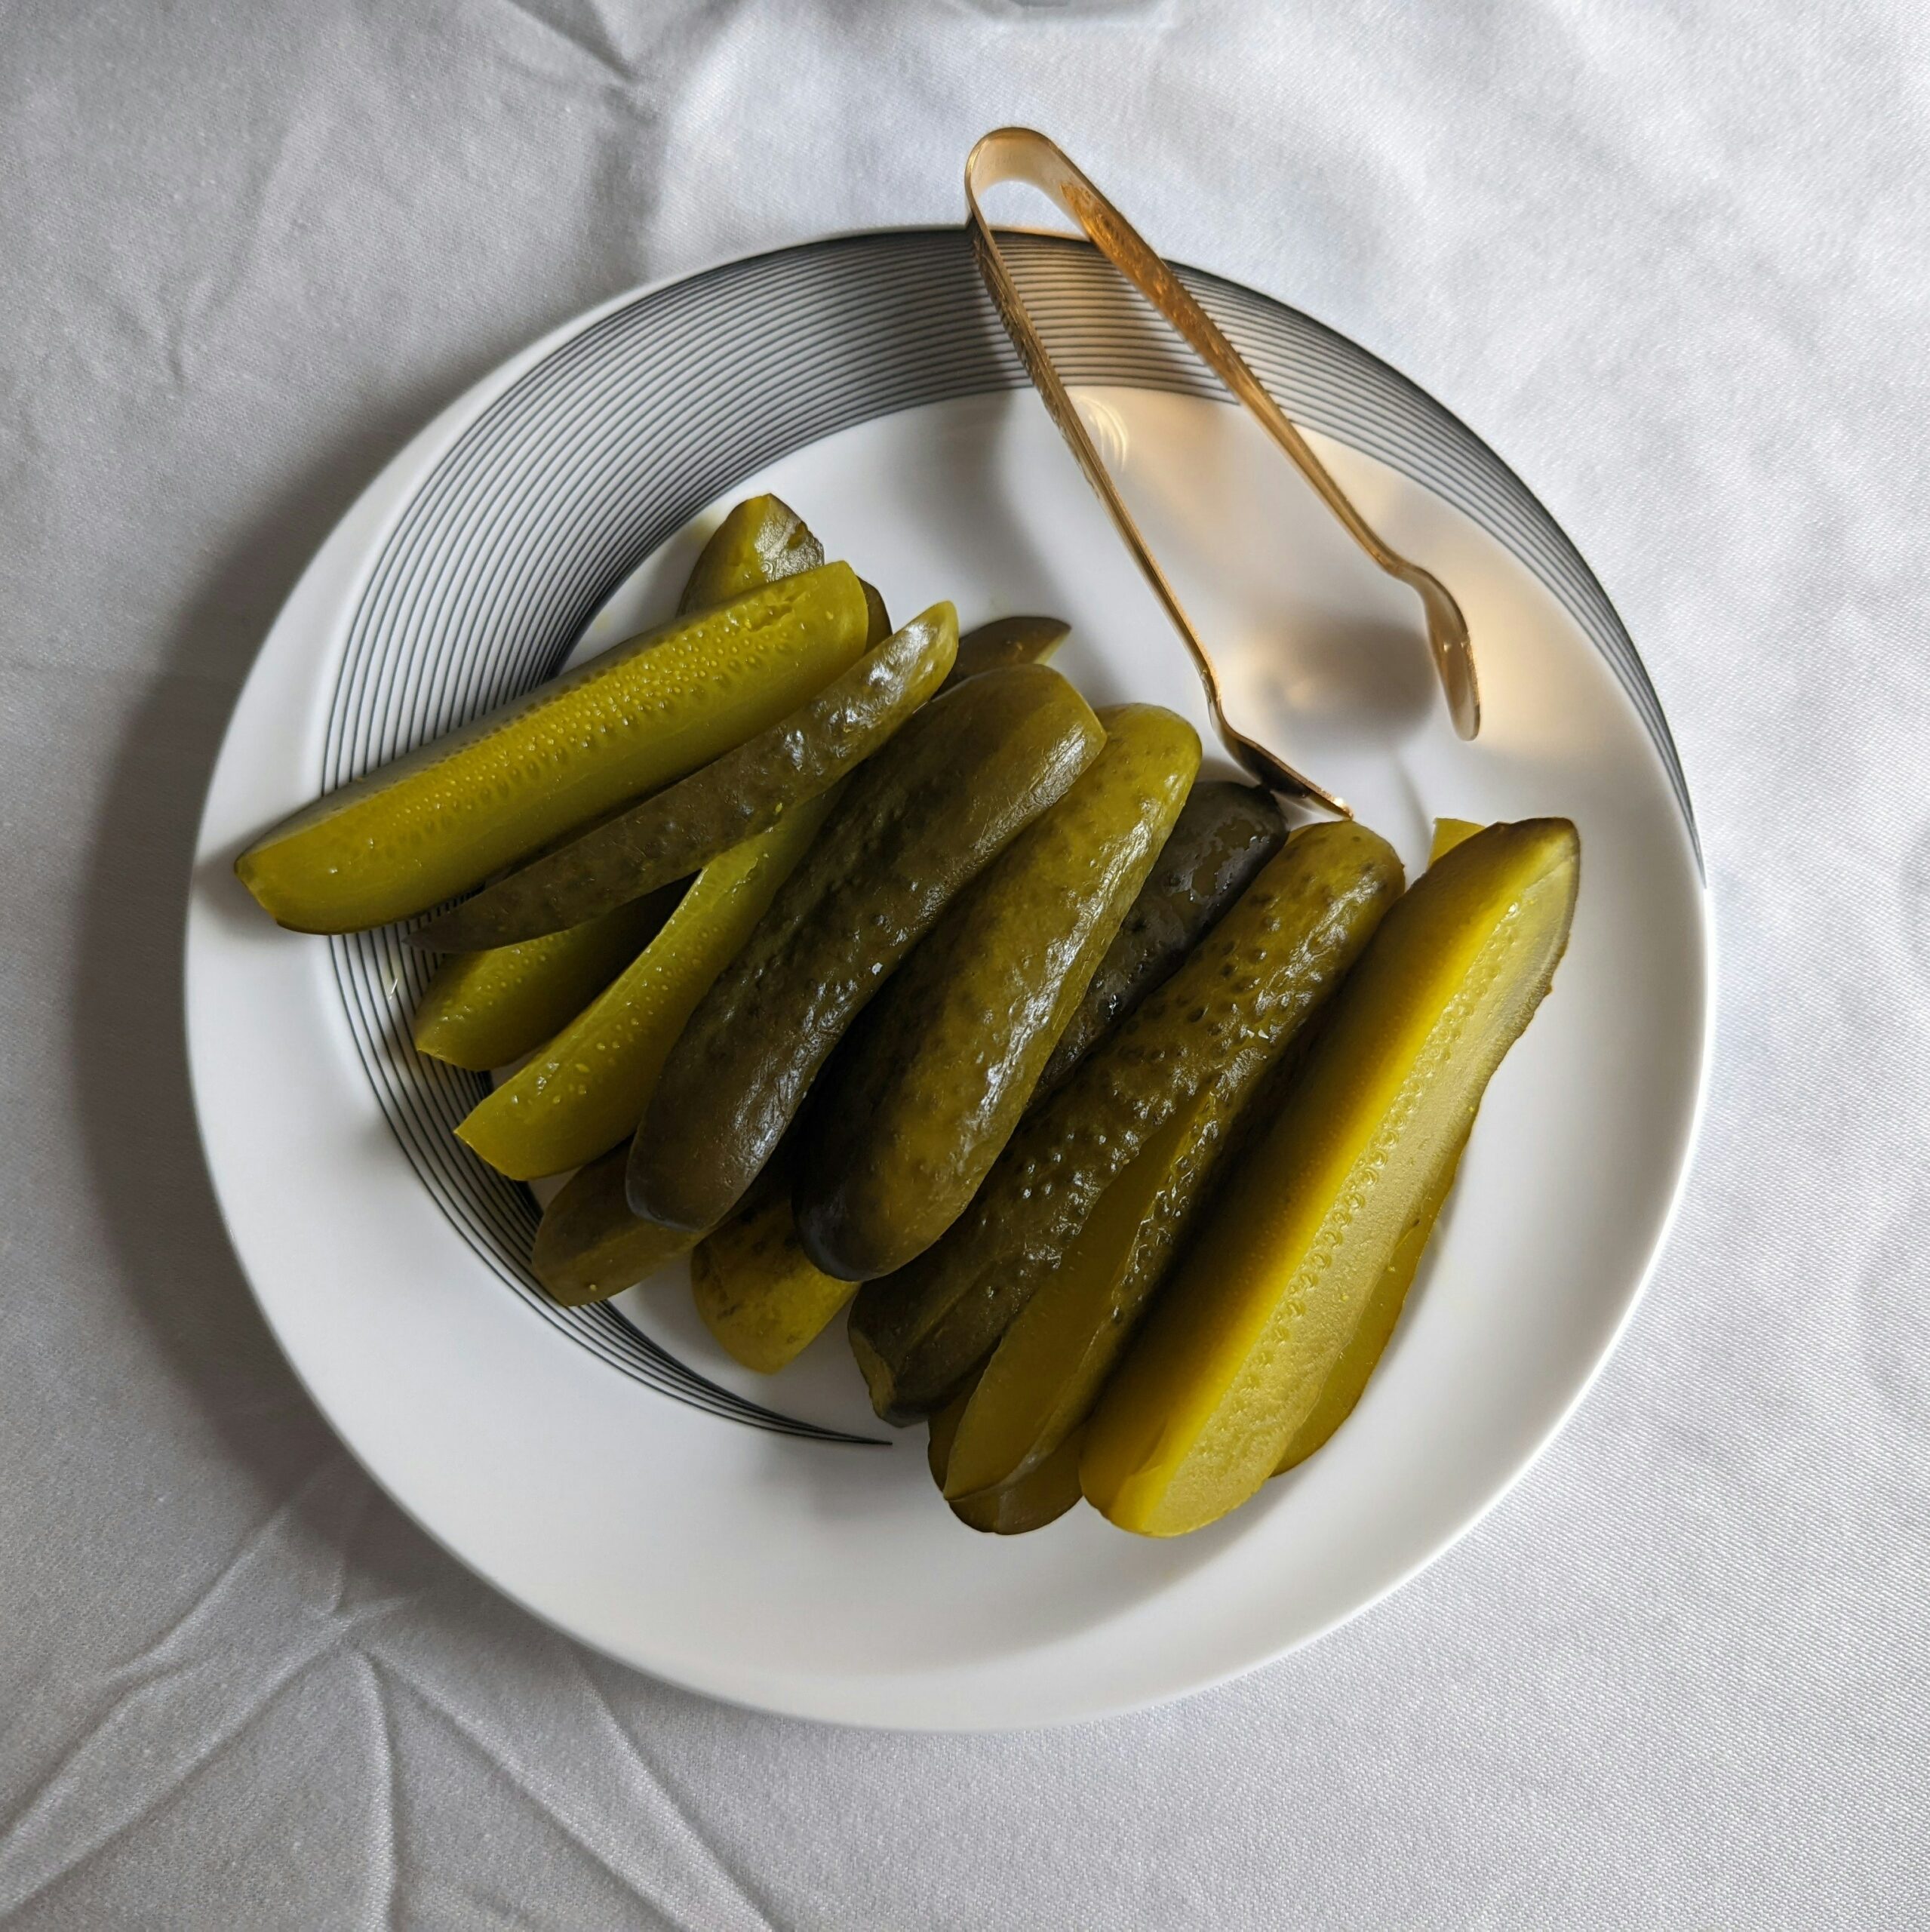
(565, 484)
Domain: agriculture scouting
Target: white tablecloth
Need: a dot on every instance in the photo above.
(1672, 262)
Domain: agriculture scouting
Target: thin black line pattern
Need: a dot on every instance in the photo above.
(611, 443)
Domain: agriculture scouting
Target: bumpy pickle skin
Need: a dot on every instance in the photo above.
(758, 1291)
(1233, 1361)
(1049, 1366)
(589, 1246)
(677, 831)
(483, 1010)
(1004, 641)
(926, 1092)
(441, 819)
(1041, 1496)
(761, 540)
(585, 1091)
(918, 822)
(1225, 834)
(1242, 993)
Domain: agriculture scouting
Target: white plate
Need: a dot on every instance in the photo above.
(608, 1468)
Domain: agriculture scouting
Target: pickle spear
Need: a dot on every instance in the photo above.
(1006, 641)
(483, 1010)
(441, 819)
(756, 1290)
(1225, 833)
(1241, 994)
(745, 792)
(762, 539)
(928, 1088)
(1048, 1369)
(1029, 1502)
(917, 823)
(589, 1246)
(1233, 1360)
(586, 1090)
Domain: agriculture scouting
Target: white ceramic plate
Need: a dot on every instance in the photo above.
(608, 1468)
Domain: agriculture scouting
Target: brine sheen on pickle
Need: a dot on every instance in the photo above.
(586, 1090)
(746, 791)
(761, 540)
(916, 825)
(484, 1010)
(1225, 833)
(921, 1098)
(441, 819)
(1250, 984)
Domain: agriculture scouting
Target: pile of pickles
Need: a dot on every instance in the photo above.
(870, 967)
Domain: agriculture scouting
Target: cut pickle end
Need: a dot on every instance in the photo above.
(1041, 1496)
(762, 540)
(1449, 832)
(1232, 1362)
(589, 1246)
(1007, 641)
(756, 1291)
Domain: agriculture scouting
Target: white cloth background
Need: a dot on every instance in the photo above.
(1672, 261)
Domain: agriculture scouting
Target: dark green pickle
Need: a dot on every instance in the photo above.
(1250, 985)
(963, 778)
(1224, 835)
(589, 1246)
(878, 624)
(914, 1109)
(1006, 641)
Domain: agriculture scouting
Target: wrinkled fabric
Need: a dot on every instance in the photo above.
(1672, 262)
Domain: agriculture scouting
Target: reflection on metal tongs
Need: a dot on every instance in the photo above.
(1018, 154)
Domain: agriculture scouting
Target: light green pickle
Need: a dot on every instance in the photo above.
(484, 1010)
(673, 833)
(588, 1088)
(438, 822)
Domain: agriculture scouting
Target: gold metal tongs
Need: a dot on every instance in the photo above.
(1020, 154)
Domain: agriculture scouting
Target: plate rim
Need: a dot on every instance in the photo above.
(338, 572)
